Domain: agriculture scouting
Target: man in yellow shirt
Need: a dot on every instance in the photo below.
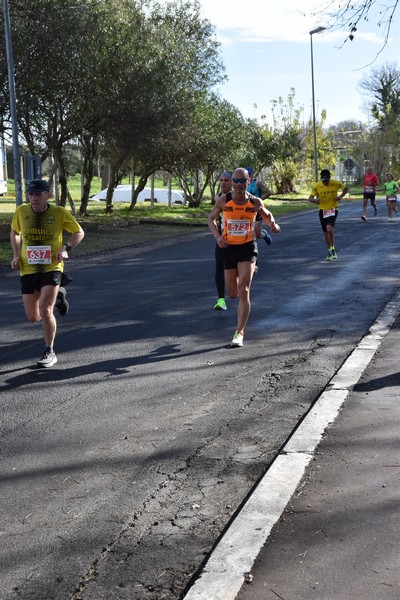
(325, 194)
(39, 252)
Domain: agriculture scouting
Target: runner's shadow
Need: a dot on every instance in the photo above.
(379, 383)
(109, 368)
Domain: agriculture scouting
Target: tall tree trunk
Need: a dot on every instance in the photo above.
(115, 178)
(62, 176)
(138, 188)
(89, 147)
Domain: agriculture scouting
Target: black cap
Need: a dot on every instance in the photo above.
(325, 175)
(37, 186)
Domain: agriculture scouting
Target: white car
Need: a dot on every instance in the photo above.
(122, 193)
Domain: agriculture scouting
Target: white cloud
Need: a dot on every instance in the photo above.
(273, 21)
(262, 20)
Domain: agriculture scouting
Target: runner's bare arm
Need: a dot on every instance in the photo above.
(265, 192)
(74, 240)
(212, 223)
(269, 218)
(15, 240)
(342, 195)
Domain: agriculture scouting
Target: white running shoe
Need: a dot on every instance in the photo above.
(48, 359)
(237, 340)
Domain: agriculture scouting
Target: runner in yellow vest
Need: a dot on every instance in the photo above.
(39, 252)
(325, 194)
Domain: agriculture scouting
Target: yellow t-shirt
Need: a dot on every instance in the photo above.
(41, 235)
(327, 194)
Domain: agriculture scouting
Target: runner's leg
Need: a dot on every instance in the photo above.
(365, 206)
(245, 272)
(48, 295)
(219, 272)
(231, 282)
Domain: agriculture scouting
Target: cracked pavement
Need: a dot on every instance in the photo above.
(123, 464)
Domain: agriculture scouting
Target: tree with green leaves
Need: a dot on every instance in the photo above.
(288, 133)
(211, 140)
(60, 69)
(178, 61)
(381, 90)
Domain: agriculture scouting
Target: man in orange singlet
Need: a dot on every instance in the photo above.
(238, 239)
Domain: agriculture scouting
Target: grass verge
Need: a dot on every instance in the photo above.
(143, 224)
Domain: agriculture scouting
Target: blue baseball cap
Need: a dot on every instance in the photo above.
(37, 186)
(325, 175)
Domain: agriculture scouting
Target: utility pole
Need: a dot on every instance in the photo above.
(13, 105)
(317, 30)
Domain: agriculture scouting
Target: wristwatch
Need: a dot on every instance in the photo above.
(68, 247)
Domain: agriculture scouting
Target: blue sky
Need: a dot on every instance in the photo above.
(266, 52)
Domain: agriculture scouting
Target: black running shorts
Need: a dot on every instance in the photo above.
(35, 281)
(327, 220)
(240, 253)
(369, 196)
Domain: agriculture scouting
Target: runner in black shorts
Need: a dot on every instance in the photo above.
(238, 238)
(39, 254)
(325, 194)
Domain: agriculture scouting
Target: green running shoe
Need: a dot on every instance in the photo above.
(221, 304)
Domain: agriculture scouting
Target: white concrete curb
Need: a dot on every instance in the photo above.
(234, 556)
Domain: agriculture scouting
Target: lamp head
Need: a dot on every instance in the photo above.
(317, 30)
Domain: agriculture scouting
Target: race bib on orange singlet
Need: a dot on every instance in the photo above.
(238, 228)
(329, 213)
(39, 255)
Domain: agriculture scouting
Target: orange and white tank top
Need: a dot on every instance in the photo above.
(238, 222)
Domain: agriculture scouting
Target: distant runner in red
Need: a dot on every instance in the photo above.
(370, 181)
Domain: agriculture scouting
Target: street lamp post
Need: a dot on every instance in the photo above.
(13, 105)
(317, 30)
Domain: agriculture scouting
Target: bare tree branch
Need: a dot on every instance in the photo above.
(351, 16)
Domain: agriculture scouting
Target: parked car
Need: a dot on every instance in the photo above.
(122, 193)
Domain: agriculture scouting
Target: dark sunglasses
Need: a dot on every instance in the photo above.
(239, 179)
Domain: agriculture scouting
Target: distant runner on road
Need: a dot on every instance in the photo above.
(391, 190)
(370, 181)
(324, 193)
(258, 189)
(39, 253)
(238, 239)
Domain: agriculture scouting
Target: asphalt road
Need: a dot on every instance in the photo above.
(122, 464)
